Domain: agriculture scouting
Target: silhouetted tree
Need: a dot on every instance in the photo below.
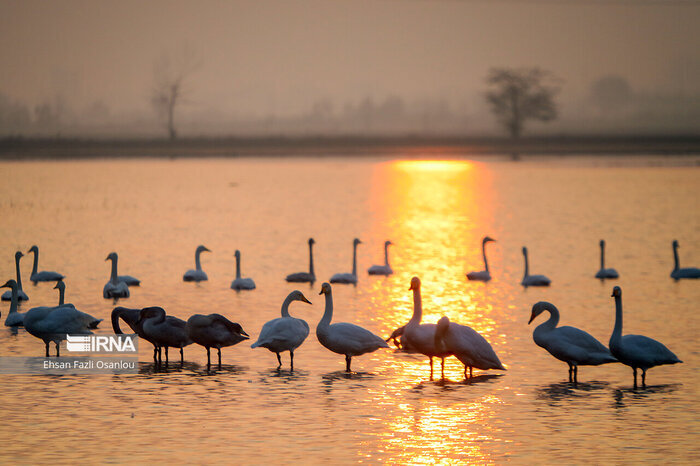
(170, 75)
(518, 95)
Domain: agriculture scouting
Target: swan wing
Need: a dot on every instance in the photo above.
(574, 345)
(647, 352)
(353, 339)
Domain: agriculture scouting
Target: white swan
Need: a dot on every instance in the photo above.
(484, 275)
(114, 288)
(677, 272)
(533, 280)
(382, 269)
(344, 338)
(636, 351)
(21, 295)
(13, 318)
(284, 333)
(467, 345)
(43, 276)
(196, 275)
(569, 344)
(51, 324)
(349, 277)
(604, 273)
(164, 332)
(420, 338)
(303, 277)
(214, 331)
(241, 283)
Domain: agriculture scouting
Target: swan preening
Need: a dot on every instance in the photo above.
(467, 345)
(21, 295)
(344, 338)
(241, 283)
(213, 331)
(131, 317)
(569, 344)
(114, 288)
(677, 272)
(636, 351)
(532, 280)
(382, 269)
(197, 275)
(484, 275)
(349, 277)
(604, 273)
(163, 331)
(43, 276)
(13, 318)
(284, 333)
(305, 277)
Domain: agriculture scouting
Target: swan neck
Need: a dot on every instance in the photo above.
(676, 264)
(311, 259)
(386, 255)
(14, 300)
(115, 321)
(483, 253)
(61, 295)
(417, 306)
(328, 312)
(354, 259)
(35, 264)
(19, 275)
(553, 320)
(617, 330)
(285, 306)
(113, 276)
(238, 267)
(526, 266)
(197, 264)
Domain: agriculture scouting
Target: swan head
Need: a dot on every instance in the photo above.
(18, 254)
(33, 249)
(675, 243)
(356, 241)
(487, 239)
(537, 309)
(326, 289)
(297, 295)
(415, 284)
(148, 312)
(311, 241)
(388, 243)
(111, 257)
(602, 243)
(237, 254)
(617, 292)
(60, 285)
(202, 248)
(236, 327)
(9, 284)
(524, 251)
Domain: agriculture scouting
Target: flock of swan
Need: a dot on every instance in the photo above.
(286, 333)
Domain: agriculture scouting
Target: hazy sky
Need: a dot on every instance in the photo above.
(279, 56)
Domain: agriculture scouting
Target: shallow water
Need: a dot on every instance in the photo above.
(155, 212)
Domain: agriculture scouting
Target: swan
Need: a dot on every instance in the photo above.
(484, 275)
(349, 277)
(128, 279)
(382, 269)
(131, 317)
(467, 345)
(569, 344)
(302, 277)
(44, 276)
(533, 280)
(13, 318)
(164, 332)
(284, 333)
(241, 283)
(677, 272)
(604, 273)
(420, 338)
(51, 324)
(214, 331)
(21, 295)
(636, 351)
(344, 338)
(197, 275)
(114, 288)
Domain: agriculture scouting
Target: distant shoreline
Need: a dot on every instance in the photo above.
(408, 146)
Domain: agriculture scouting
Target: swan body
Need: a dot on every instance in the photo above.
(484, 275)
(467, 345)
(284, 333)
(21, 295)
(637, 351)
(164, 331)
(569, 344)
(604, 273)
(344, 338)
(196, 275)
(382, 269)
(533, 280)
(13, 318)
(115, 288)
(420, 338)
(51, 324)
(677, 272)
(349, 277)
(43, 276)
(214, 331)
(305, 277)
(241, 283)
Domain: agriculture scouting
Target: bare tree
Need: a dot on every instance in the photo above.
(171, 73)
(521, 94)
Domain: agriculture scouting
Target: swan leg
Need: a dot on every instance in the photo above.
(442, 368)
(208, 358)
(575, 374)
(219, 350)
(57, 350)
(571, 373)
(634, 371)
(166, 356)
(279, 361)
(347, 363)
(644, 376)
(47, 349)
(160, 355)
(291, 360)
(470, 372)
(465, 371)
(155, 354)
(431, 367)
(182, 357)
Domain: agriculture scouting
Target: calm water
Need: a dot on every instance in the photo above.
(155, 213)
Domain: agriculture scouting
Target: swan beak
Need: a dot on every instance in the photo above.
(532, 317)
(245, 334)
(303, 298)
(6, 285)
(321, 292)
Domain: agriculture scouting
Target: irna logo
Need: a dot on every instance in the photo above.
(101, 343)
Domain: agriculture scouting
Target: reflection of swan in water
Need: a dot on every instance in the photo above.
(637, 351)
(284, 333)
(303, 277)
(349, 277)
(484, 275)
(569, 344)
(467, 345)
(382, 269)
(115, 288)
(344, 338)
(13, 318)
(164, 332)
(21, 295)
(686, 272)
(197, 275)
(214, 331)
(241, 283)
(43, 276)
(533, 280)
(564, 390)
(625, 396)
(604, 273)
